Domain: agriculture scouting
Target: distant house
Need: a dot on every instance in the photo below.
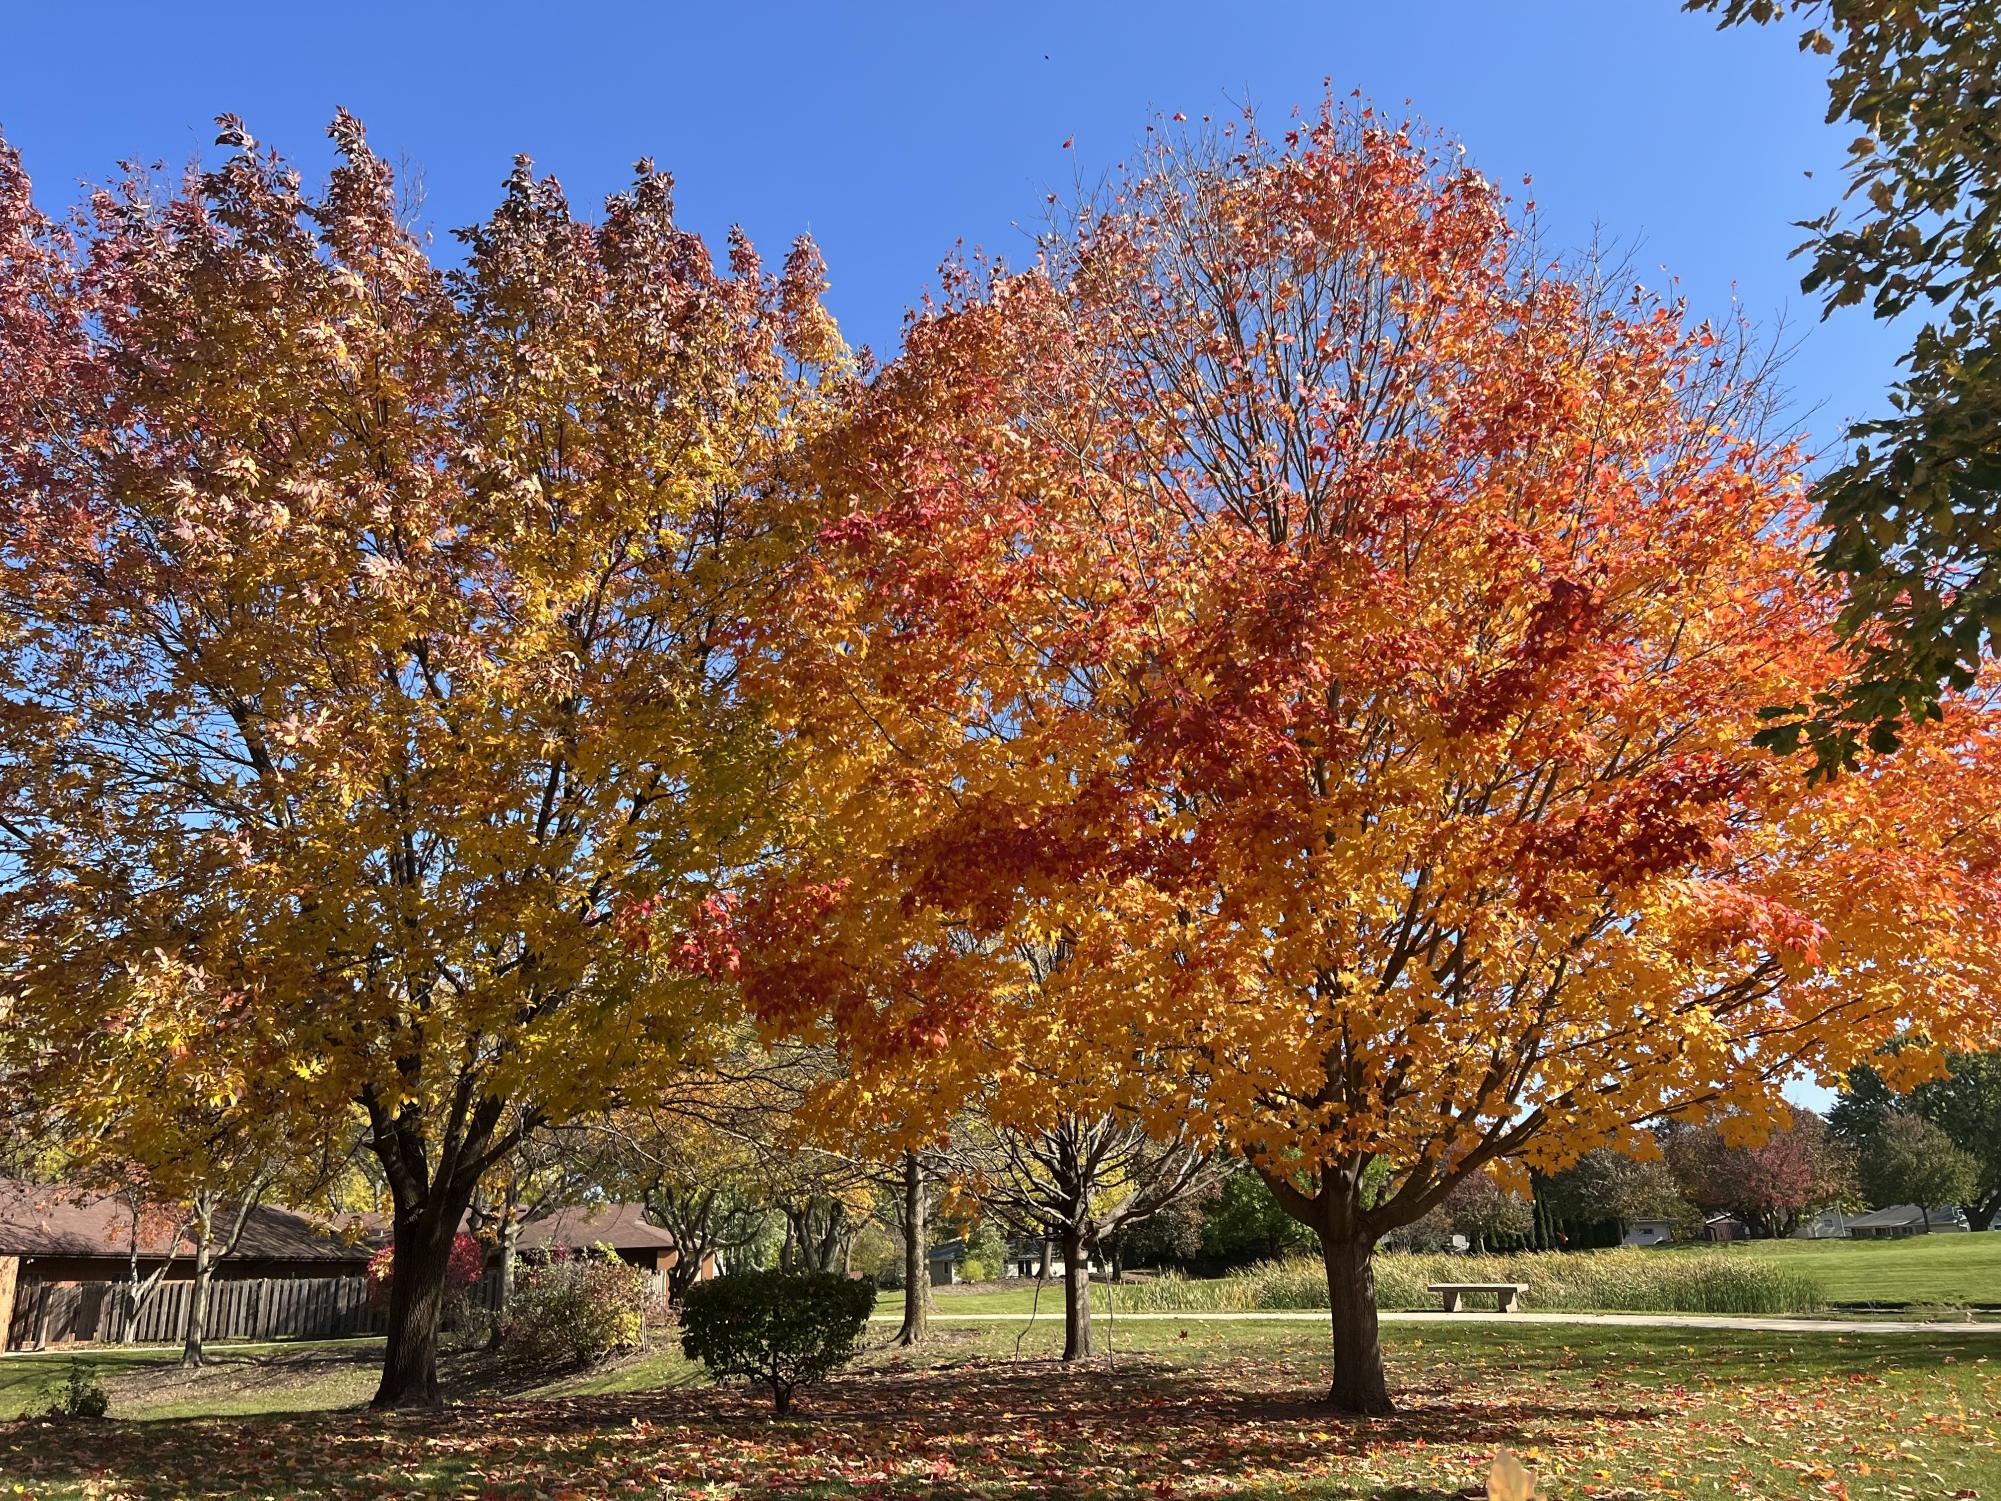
(1024, 1258)
(1724, 1227)
(60, 1234)
(1829, 1224)
(1647, 1233)
(947, 1261)
(620, 1228)
(64, 1251)
(1900, 1220)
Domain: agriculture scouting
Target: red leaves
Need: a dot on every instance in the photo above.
(1640, 828)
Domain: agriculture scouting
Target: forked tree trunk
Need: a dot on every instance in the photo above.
(1359, 1384)
(916, 1278)
(1076, 1295)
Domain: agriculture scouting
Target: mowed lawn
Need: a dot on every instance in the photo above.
(1936, 1271)
(1194, 1409)
(1962, 1269)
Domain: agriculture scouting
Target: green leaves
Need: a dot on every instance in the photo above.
(1914, 517)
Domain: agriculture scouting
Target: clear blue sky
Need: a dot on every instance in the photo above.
(893, 130)
(890, 131)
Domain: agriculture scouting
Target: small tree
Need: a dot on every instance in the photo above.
(1076, 1181)
(1480, 1209)
(779, 1329)
(1911, 1161)
(1797, 1170)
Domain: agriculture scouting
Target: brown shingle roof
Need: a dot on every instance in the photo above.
(39, 1219)
(578, 1227)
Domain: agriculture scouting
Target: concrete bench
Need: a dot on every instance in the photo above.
(1507, 1295)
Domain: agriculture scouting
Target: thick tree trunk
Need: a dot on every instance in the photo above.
(1980, 1216)
(1359, 1385)
(916, 1274)
(196, 1326)
(423, 1246)
(1076, 1296)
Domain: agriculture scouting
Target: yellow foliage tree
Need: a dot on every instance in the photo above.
(364, 630)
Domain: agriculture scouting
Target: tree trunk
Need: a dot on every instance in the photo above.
(510, 1238)
(1359, 1385)
(1076, 1295)
(197, 1321)
(1980, 1216)
(916, 1274)
(423, 1247)
(1042, 1270)
(1925, 1213)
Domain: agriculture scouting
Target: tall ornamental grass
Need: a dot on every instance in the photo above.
(1616, 1281)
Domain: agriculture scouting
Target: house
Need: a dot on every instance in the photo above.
(947, 1262)
(1724, 1227)
(1647, 1232)
(622, 1229)
(65, 1251)
(1829, 1224)
(1899, 1220)
(1025, 1259)
(61, 1234)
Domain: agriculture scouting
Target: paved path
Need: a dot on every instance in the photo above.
(943, 1315)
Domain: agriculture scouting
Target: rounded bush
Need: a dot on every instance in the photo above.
(779, 1330)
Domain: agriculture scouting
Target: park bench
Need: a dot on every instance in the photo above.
(1507, 1295)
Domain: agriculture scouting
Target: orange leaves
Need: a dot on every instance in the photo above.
(1345, 639)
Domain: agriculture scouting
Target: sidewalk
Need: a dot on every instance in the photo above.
(1475, 1316)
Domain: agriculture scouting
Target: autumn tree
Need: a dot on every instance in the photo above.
(1342, 631)
(364, 639)
(1481, 1209)
(1771, 1181)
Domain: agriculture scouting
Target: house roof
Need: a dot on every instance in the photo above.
(578, 1227)
(38, 1219)
(948, 1250)
(1895, 1215)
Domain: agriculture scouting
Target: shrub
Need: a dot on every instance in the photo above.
(462, 1270)
(782, 1330)
(79, 1394)
(1630, 1281)
(972, 1269)
(576, 1311)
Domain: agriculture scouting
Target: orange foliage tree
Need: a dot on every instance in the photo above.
(1338, 633)
(365, 673)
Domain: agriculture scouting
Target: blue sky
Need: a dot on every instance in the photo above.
(892, 130)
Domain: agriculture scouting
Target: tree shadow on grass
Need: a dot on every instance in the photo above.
(978, 1430)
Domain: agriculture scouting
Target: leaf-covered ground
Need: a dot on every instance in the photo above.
(1209, 1410)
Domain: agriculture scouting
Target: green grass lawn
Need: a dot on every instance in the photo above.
(1200, 1409)
(1938, 1271)
(1945, 1269)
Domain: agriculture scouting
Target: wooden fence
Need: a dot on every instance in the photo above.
(59, 1313)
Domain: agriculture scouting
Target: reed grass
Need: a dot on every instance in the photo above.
(1614, 1281)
